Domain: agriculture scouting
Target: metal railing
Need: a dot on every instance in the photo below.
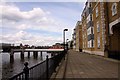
(40, 71)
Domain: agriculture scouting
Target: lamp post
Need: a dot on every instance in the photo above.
(64, 37)
(67, 44)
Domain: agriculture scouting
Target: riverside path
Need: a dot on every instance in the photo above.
(85, 66)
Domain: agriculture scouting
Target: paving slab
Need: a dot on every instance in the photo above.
(82, 65)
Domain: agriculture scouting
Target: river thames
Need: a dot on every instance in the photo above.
(9, 69)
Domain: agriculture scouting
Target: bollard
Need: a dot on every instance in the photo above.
(26, 71)
(47, 70)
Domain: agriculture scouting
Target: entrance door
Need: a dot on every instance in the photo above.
(115, 42)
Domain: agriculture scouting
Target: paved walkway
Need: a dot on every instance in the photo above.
(83, 65)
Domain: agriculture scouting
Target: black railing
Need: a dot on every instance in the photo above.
(40, 71)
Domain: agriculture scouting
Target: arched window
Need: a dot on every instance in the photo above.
(114, 9)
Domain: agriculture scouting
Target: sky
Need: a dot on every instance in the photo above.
(38, 23)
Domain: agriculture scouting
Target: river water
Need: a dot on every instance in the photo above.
(8, 69)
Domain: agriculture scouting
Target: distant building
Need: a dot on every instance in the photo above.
(74, 39)
(5, 47)
(57, 46)
(78, 38)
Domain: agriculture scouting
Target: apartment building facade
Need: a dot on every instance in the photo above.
(78, 34)
(113, 38)
(74, 39)
(101, 28)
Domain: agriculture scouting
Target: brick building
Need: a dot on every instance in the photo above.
(78, 38)
(101, 28)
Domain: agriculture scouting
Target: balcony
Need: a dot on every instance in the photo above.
(89, 24)
(88, 11)
(90, 37)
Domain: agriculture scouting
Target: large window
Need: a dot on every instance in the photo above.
(92, 43)
(83, 44)
(89, 31)
(98, 26)
(114, 9)
(96, 11)
(88, 18)
(98, 41)
(92, 30)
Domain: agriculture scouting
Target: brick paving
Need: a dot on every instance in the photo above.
(83, 65)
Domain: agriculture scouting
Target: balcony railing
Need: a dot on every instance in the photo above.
(90, 37)
(89, 24)
(89, 10)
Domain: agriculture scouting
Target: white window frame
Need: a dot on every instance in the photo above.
(96, 11)
(114, 9)
(89, 31)
(90, 44)
(88, 18)
(93, 30)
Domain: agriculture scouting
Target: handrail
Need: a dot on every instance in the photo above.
(11, 78)
(36, 65)
(39, 70)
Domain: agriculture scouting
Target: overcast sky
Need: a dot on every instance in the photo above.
(38, 23)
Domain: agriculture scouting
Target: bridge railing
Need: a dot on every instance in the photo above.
(40, 71)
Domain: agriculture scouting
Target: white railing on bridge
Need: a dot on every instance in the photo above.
(43, 50)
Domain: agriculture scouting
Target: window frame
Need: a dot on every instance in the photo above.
(98, 26)
(96, 11)
(114, 9)
(98, 42)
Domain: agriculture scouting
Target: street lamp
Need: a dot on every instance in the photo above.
(67, 40)
(64, 37)
(67, 44)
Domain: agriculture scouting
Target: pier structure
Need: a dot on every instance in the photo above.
(35, 52)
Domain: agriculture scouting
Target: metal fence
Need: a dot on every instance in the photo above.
(40, 71)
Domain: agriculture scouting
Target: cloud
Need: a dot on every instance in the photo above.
(36, 18)
(29, 39)
(13, 13)
(18, 22)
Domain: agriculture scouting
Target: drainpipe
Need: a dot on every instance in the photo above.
(108, 45)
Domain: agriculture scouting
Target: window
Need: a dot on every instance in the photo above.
(98, 41)
(114, 9)
(98, 27)
(92, 43)
(92, 30)
(88, 18)
(85, 36)
(89, 31)
(92, 17)
(83, 44)
(96, 11)
(88, 4)
(88, 44)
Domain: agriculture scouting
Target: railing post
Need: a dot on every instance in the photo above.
(47, 66)
(28, 54)
(26, 71)
(12, 56)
